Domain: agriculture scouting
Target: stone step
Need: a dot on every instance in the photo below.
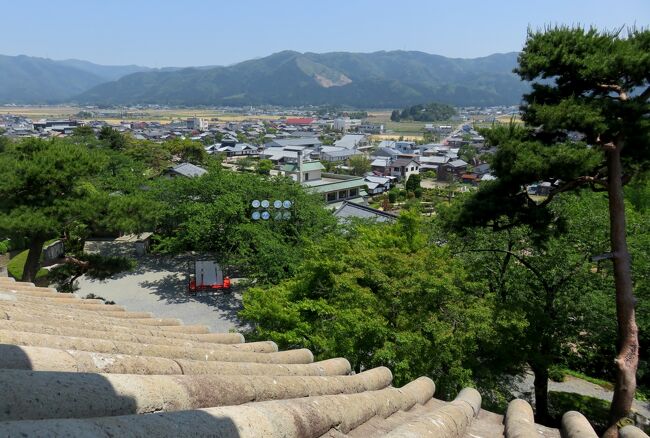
(32, 395)
(299, 417)
(52, 359)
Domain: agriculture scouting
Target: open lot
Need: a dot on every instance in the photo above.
(158, 285)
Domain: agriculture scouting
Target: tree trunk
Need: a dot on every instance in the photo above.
(541, 393)
(627, 359)
(33, 262)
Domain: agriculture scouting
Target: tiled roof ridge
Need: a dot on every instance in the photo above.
(77, 367)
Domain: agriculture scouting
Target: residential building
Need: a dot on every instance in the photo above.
(371, 128)
(381, 166)
(238, 149)
(350, 210)
(352, 141)
(309, 171)
(402, 168)
(187, 170)
(197, 124)
(337, 154)
(378, 184)
(333, 187)
(452, 170)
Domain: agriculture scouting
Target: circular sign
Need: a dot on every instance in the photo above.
(277, 216)
(286, 204)
(286, 215)
(256, 215)
(265, 204)
(277, 204)
(265, 215)
(255, 203)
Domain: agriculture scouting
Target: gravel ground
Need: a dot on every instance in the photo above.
(158, 285)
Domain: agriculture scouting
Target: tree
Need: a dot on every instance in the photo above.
(155, 157)
(413, 183)
(360, 164)
(112, 138)
(588, 125)
(213, 214)
(83, 131)
(378, 294)
(44, 185)
(548, 296)
(187, 150)
(264, 167)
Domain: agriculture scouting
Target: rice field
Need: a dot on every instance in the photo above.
(116, 116)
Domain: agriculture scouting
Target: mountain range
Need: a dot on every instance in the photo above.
(364, 80)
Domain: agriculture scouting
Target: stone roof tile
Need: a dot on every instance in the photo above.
(76, 367)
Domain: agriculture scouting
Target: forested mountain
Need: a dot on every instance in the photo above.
(380, 79)
(27, 79)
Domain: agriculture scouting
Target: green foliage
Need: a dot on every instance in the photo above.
(187, 150)
(413, 183)
(425, 113)
(576, 74)
(49, 187)
(112, 138)
(377, 295)
(556, 373)
(154, 157)
(264, 167)
(83, 131)
(360, 164)
(553, 305)
(213, 214)
(594, 409)
(45, 183)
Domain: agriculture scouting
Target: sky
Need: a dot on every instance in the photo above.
(158, 33)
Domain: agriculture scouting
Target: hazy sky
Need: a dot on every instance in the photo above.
(191, 32)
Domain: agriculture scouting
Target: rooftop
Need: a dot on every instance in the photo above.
(330, 182)
(307, 166)
(111, 372)
(352, 210)
(188, 169)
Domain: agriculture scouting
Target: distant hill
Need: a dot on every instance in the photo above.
(364, 80)
(380, 79)
(107, 72)
(26, 79)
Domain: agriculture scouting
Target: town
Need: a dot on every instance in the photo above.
(346, 160)
(289, 220)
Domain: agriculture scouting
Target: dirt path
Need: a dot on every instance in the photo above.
(582, 387)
